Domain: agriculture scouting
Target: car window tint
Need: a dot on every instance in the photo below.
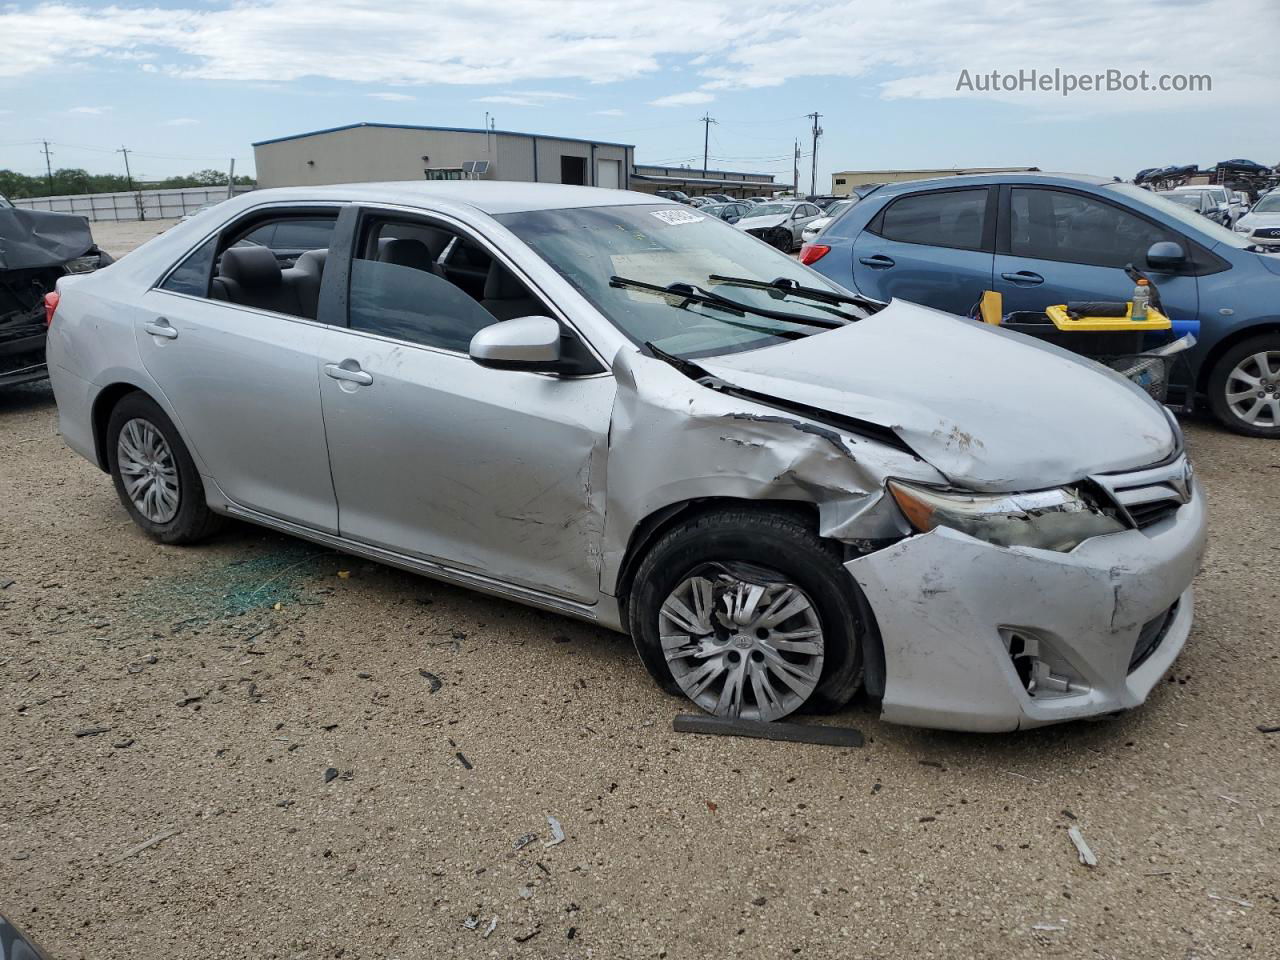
(191, 276)
(302, 235)
(946, 218)
(414, 305)
(1056, 225)
(259, 236)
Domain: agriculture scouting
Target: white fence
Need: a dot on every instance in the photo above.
(138, 205)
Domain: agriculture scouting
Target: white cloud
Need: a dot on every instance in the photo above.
(392, 97)
(611, 113)
(683, 99)
(508, 99)
(899, 48)
(90, 111)
(180, 122)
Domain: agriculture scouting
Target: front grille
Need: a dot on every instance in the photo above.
(1148, 514)
(1149, 637)
(1151, 496)
(1267, 232)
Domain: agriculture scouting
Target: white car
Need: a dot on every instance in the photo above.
(815, 227)
(780, 223)
(1232, 209)
(1262, 223)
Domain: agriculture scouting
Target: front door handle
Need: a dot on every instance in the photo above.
(1024, 278)
(349, 371)
(877, 262)
(160, 327)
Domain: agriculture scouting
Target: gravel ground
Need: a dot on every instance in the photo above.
(266, 700)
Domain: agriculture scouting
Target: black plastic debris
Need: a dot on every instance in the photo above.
(431, 678)
(788, 732)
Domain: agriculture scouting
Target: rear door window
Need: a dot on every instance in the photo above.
(942, 218)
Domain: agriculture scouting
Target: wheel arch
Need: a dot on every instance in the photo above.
(103, 404)
(1239, 335)
(651, 528)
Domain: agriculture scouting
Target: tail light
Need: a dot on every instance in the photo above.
(813, 252)
(50, 304)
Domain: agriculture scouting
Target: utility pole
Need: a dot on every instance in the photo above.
(127, 175)
(817, 132)
(706, 122)
(795, 170)
(142, 214)
(48, 169)
(231, 180)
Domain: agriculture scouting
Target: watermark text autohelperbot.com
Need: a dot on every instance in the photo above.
(1065, 83)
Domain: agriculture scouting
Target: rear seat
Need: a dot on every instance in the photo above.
(252, 276)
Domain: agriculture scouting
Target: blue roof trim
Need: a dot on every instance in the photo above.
(413, 126)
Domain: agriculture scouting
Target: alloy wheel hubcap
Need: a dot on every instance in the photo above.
(742, 641)
(1253, 389)
(148, 470)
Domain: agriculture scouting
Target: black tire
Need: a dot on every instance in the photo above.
(783, 240)
(193, 521)
(775, 540)
(1218, 385)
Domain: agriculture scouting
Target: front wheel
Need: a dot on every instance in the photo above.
(1244, 387)
(749, 614)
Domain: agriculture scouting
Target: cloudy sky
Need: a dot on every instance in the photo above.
(192, 84)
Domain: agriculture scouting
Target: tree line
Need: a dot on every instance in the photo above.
(73, 180)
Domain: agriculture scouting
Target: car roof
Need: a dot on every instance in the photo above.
(488, 196)
(987, 179)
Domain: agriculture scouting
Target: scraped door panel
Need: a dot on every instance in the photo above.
(243, 384)
(497, 472)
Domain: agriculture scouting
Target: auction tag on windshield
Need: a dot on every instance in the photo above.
(674, 217)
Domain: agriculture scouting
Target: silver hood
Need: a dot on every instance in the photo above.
(752, 223)
(989, 409)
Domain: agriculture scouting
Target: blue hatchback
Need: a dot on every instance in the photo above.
(1040, 239)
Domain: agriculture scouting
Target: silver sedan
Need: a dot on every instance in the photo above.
(629, 412)
(781, 223)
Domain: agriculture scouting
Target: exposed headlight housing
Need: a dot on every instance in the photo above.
(86, 264)
(1059, 519)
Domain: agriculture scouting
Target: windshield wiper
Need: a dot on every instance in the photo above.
(788, 287)
(689, 292)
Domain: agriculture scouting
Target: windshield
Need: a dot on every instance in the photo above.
(769, 210)
(1185, 199)
(1268, 204)
(1160, 205)
(661, 245)
(4, 202)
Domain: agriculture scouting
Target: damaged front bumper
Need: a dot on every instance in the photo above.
(987, 638)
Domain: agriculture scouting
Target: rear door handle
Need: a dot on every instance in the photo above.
(877, 262)
(160, 327)
(349, 371)
(1024, 278)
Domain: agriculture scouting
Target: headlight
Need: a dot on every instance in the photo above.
(1058, 519)
(82, 264)
(1242, 227)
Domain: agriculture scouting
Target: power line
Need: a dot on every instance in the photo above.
(127, 175)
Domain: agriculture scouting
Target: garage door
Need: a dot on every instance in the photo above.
(609, 173)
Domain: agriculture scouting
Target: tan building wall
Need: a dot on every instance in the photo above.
(842, 182)
(371, 153)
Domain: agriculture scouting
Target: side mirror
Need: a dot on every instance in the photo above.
(525, 343)
(1166, 256)
(732, 218)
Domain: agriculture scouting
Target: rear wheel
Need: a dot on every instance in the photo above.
(782, 239)
(154, 475)
(749, 614)
(1244, 387)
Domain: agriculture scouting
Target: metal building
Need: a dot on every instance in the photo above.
(845, 180)
(371, 152)
(649, 179)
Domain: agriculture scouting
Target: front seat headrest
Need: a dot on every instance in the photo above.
(254, 268)
(405, 252)
(501, 284)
